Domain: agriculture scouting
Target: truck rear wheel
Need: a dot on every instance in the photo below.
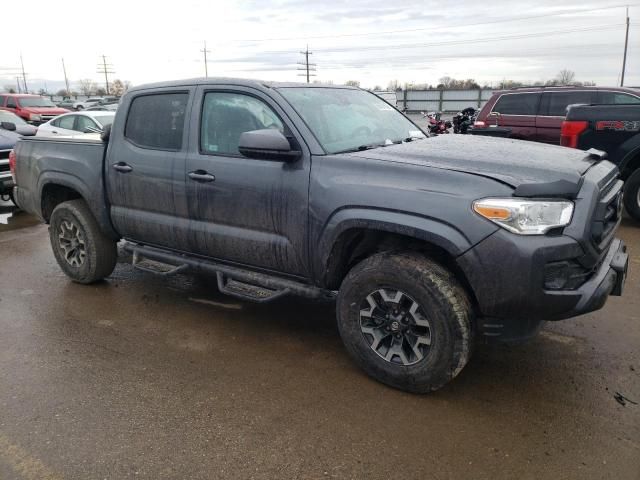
(632, 195)
(83, 252)
(406, 321)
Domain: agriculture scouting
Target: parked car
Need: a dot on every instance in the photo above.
(430, 244)
(88, 103)
(11, 128)
(614, 129)
(31, 108)
(68, 103)
(72, 124)
(104, 107)
(537, 113)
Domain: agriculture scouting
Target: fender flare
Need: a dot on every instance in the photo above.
(431, 230)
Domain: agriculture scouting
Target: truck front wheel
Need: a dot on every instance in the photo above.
(632, 195)
(83, 252)
(406, 321)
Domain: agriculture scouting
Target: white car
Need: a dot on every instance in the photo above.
(89, 102)
(72, 124)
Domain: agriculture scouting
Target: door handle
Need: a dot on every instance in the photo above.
(122, 167)
(54, 131)
(201, 176)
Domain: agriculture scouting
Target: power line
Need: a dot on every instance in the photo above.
(443, 27)
(455, 42)
(106, 69)
(309, 67)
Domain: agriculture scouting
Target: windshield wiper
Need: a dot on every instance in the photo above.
(361, 148)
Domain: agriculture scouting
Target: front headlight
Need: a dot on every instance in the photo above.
(35, 117)
(525, 216)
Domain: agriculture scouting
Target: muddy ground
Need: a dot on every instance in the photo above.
(143, 377)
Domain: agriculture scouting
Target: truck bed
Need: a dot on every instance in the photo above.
(75, 162)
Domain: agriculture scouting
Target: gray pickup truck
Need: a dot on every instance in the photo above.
(429, 244)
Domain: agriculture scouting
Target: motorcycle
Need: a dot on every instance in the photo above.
(436, 125)
(464, 119)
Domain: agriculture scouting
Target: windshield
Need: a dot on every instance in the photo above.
(348, 119)
(104, 120)
(10, 117)
(35, 102)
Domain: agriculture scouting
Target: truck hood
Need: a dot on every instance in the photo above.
(533, 169)
(45, 110)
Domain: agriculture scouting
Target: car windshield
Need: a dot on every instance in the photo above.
(35, 102)
(104, 120)
(10, 117)
(349, 119)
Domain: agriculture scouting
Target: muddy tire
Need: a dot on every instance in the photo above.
(83, 252)
(632, 195)
(406, 321)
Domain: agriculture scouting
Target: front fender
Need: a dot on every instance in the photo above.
(434, 231)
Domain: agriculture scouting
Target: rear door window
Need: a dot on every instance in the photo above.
(559, 101)
(11, 102)
(517, 104)
(2, 99)
(157, 121)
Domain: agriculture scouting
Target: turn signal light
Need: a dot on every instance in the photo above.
(12, 164)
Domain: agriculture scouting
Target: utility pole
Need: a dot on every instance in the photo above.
(306, 66)
(24, 75)
(105, 68)
(18, 84)
(205, 51)
(66, 80)
(624, 58)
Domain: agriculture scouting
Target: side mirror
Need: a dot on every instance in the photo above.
(8, 126)
(92, 130)
(267, 144)
(106, 134)
(494, 114)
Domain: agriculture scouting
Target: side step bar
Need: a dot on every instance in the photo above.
(234, 281)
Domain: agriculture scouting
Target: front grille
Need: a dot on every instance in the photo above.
(607, 214)
(4, 154)
(4, 166)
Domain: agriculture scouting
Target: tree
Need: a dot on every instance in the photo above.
(9, 89)
(101, 91)
(62, 93)
(118, 87)
(42, 92)
(87, 86)
(565, 77)
(377, 88)
(352, 83)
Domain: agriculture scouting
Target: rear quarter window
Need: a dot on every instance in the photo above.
(517, 104)
(617, 98)
(157, 120)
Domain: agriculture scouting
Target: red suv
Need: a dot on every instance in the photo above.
(31, 108)
(536, 113)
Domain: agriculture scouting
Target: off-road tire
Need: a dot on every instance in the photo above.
(444, 302)
(100, 251)
(632, 195)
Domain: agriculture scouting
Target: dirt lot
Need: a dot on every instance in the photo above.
(140, 377)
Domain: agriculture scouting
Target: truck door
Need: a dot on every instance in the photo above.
(244, 210)
(145, 168)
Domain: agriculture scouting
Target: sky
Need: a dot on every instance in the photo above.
(371, 41)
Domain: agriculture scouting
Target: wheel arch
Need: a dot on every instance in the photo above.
(353, 239)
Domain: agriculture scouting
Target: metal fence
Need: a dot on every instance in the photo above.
(441, 100)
